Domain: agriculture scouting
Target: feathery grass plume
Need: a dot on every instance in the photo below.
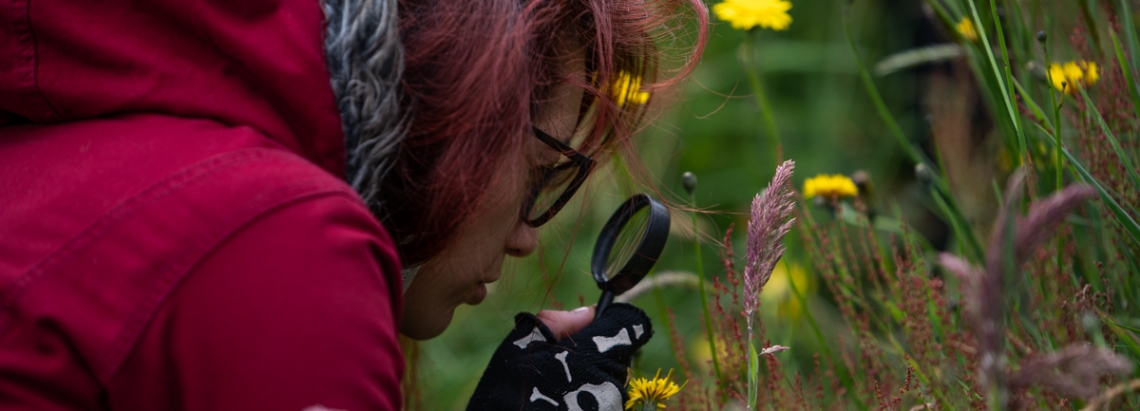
(771, 220)
(1074, 371)
(984, 288)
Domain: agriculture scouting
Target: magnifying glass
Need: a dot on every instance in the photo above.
(628, 246)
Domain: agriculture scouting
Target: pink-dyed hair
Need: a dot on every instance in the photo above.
(474, 73)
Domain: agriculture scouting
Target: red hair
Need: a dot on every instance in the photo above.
(475, 72)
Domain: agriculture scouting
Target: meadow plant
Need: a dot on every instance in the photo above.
(771, 220)
(1041, 313)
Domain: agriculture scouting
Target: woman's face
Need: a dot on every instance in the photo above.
(459, 274)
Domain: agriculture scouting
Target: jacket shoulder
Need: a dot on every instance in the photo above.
(117, 234)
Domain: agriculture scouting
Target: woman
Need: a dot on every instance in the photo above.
(178, 233)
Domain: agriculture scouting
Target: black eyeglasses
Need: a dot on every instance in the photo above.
(558, 182)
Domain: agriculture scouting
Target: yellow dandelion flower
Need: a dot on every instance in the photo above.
(966, 29)
(1057, 77)
(833, 186)
(746, 14)
(627, 89)
(651, 394)
(1068, 76)
(1092, 73)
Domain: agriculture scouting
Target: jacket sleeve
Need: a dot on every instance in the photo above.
(298, 310)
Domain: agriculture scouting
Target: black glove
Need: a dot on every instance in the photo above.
(586, 371)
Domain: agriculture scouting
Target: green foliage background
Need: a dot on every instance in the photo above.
(714, 129)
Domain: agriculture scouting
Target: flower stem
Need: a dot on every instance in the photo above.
(704, 296)
(750, 67)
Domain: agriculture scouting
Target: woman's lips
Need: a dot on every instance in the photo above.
(480, 288)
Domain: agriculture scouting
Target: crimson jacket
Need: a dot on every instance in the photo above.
(175, 232)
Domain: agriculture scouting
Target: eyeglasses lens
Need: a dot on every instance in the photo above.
(557, 180)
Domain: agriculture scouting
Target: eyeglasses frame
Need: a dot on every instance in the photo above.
(585, 165)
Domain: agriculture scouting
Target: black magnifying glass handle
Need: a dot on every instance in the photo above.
(603, 303)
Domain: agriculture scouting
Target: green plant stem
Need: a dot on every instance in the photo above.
(669, 326)
(704, 297)
(750, 67)
(753, 374)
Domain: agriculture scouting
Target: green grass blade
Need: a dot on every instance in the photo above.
(1126, 67)
(1122, 332)
(1125, 14)
(1033, 107)
(1009, 96)
(961, 231)
(940, 11)
(1011, 111)
(1125, 160)
(1121, 215)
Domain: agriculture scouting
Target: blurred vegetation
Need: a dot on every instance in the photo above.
(950, 109)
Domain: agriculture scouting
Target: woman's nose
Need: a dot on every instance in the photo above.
(522, 241)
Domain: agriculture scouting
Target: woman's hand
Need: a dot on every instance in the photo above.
(566, 323)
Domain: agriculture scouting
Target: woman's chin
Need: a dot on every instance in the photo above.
(425, 327)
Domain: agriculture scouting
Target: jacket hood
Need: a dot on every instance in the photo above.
(255, 63)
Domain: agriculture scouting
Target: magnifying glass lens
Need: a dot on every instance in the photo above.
(628, 240)
(628, 246)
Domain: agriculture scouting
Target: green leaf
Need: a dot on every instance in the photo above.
(917, 56)
(896, 313)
